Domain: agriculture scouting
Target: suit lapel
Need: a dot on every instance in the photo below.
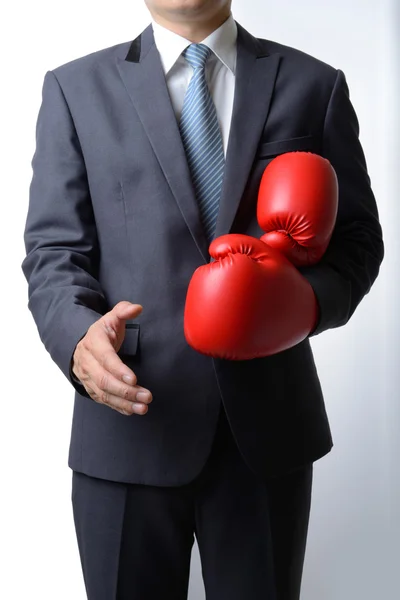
(143, 76)
(256, 73)
(144, 79)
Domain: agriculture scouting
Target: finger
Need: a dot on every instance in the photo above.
(108, 384)
(92, 374)
(99, 346)
(126, 310)
(108, 390)
(114, 324)
(104, 388)
(115, 402)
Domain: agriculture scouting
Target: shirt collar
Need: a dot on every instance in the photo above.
(222, 42)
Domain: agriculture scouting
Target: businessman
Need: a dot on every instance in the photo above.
(168, 443)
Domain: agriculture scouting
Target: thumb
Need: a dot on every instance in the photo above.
(114, 321)
(126, 310)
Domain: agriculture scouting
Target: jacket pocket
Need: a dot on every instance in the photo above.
(130, 345)
(304, 143)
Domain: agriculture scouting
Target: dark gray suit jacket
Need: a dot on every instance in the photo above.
(113, 216)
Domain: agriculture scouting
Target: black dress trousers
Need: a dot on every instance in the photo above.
(135, 540)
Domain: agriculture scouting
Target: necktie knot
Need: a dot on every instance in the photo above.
(197, 55)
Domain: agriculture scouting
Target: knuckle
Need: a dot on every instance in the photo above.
(120, 304)
(83, 370)
(107, 325)
(94, 396)
(84, 343)
(91, 392)
(91, 329)
(103, 383)
(125, 393)
(76, 363)
(104, 397)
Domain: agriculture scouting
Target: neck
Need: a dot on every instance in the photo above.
(194, 31)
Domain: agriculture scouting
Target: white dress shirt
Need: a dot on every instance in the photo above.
(220, 69)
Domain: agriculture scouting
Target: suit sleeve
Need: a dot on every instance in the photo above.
(352, 261)
(60, 237)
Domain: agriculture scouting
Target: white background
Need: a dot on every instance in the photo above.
(353, 548)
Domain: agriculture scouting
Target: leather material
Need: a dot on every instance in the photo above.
(249, 303)
(297, 206)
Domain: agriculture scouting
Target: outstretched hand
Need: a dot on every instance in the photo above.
(97, 365)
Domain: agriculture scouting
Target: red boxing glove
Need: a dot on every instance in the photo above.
(297, 206)
(250, 302)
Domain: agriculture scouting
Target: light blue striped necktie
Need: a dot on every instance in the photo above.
(202, 140)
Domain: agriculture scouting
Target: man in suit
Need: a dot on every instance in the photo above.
(168, 443)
